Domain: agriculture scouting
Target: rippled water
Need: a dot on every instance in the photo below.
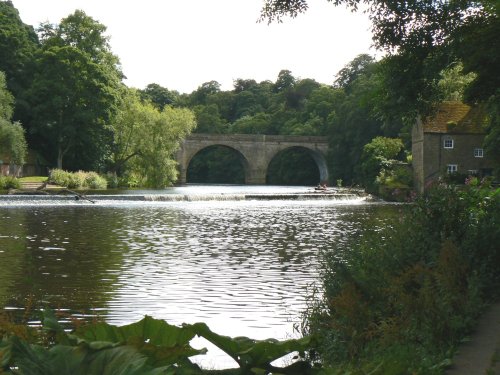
(243, 267)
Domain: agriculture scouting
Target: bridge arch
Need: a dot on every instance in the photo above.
(256, 151)
(196, 152)
(318, 157)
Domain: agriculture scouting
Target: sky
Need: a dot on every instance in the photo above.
(180, 44)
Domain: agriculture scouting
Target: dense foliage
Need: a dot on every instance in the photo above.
(149, 346)
(70, 98)
(77, 180)
(12, 141)
(399, 300)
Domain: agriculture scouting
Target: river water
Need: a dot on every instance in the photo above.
(244, 267)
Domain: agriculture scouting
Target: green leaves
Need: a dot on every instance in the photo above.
(252, 354)
(149, 346)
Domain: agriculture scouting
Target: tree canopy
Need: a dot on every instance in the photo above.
(12, 141)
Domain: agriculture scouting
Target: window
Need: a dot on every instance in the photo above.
(478, 152)
(448, 143)
(473, 172)
(452, 168)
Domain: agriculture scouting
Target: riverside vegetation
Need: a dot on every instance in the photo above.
(399, 301)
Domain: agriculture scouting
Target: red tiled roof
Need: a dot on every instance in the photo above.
(456, 117)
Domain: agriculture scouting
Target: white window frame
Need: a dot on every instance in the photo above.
(473, 172)
(448, 146)
(478, 152)
(452, 168)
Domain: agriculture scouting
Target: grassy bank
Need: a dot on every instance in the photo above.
(399, 301)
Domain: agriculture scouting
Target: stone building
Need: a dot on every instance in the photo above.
(450, 141)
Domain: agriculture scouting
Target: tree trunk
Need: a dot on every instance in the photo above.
(60, 154)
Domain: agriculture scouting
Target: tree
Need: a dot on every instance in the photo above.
(75, 93)
(145, 139)
(202, 93)
(73, 99)
(377, 155)
(18, 44)
(209, 119)
(12, 141)
(347, 75)
(354, 122)
(159, 96)
(84, 33)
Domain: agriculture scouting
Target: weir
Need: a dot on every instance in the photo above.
(336, 196)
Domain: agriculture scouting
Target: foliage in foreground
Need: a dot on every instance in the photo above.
(77, 180)
(147, 347)
(400, 300)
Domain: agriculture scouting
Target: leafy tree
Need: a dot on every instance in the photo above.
(201, 94)
(6, 99)
(453, 83)
(12, 140)
(75, 93)
(72, 98)
(84, 33)
(285, 81)
(145, 139)
(159, 96)
(18, 44)
(347, 75)
(379, 154)
(209, 119)
(354, 122)
(257, 124)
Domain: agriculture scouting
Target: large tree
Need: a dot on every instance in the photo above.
(146, 138)
(18, 45)
(12, 140)
(75, 93)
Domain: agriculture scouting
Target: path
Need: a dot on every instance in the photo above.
(480, 355)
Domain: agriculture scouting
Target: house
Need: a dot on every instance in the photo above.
(449, 141)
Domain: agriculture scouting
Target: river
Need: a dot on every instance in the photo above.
(245, 267)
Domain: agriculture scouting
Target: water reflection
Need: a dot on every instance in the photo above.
(242, 267)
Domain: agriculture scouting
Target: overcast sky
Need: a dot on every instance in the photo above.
(181, 44)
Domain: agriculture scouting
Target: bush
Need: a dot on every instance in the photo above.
(416, 287)
(9, 182)
(77, 180)
(94, 181)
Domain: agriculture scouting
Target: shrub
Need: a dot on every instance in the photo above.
(416, 286)
(9, 182)
(59, 177)
(77, 180)
(94, 181)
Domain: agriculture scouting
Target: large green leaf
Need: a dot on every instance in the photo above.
(80, 360)
(161, 342)
(249, 353)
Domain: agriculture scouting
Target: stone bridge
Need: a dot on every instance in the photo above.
(255, 151)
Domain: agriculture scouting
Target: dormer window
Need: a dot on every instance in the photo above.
(448, 143)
